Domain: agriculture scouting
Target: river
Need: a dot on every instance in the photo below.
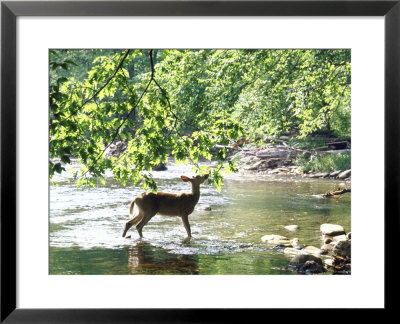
(86, 226)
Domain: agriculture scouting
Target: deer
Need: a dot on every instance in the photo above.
(148, 204)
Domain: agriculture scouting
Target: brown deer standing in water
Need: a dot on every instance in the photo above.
(167, 204)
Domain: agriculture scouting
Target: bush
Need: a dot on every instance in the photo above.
(326, 163)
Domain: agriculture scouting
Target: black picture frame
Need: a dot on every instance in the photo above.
(10, 10)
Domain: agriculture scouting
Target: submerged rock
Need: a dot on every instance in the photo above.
(204, 207)
(275, 239)
(281, 246)
(291, 227)
(312, 250)
(292, 250)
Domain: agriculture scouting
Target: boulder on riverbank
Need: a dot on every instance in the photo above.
(279, 158)
(334, 174)
(344, 175)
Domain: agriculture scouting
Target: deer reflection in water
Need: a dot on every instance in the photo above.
(144, 258)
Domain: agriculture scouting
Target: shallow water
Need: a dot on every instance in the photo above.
(86, 226)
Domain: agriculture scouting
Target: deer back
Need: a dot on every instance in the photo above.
(168, 203)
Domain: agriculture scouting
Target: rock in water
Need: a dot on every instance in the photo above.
(343, 249)
(204, 207)
(312, 250)
(311, 267)
(338, 238)
(160, 167)
(291, 227)
(303, 258)
(295, 242)
(331, 229)
(307, 263)
(328, 247)
(275, 239)
(281, 246)
(294, 251)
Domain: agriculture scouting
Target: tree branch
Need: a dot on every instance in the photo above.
(104, 85)
(127, 116)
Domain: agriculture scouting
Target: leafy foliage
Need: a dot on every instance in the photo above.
(185, 103)
(326, 163)
(87, 116)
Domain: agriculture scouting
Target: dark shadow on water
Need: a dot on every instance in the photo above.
(139, 258)
(145, 258)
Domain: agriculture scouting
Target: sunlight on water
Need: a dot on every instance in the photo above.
(86, 226)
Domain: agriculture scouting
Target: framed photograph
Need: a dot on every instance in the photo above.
(162, 159)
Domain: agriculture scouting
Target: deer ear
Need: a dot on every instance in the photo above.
(184, 178)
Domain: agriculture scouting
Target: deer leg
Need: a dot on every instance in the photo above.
(185, 220)
(139, 228)
(132, 222)
(144, 221)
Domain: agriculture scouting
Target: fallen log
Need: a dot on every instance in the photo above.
(335, 152)
(337, 192)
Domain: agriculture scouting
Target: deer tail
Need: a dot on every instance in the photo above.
(131, 207)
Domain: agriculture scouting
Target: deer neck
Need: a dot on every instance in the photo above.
(196, 192)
